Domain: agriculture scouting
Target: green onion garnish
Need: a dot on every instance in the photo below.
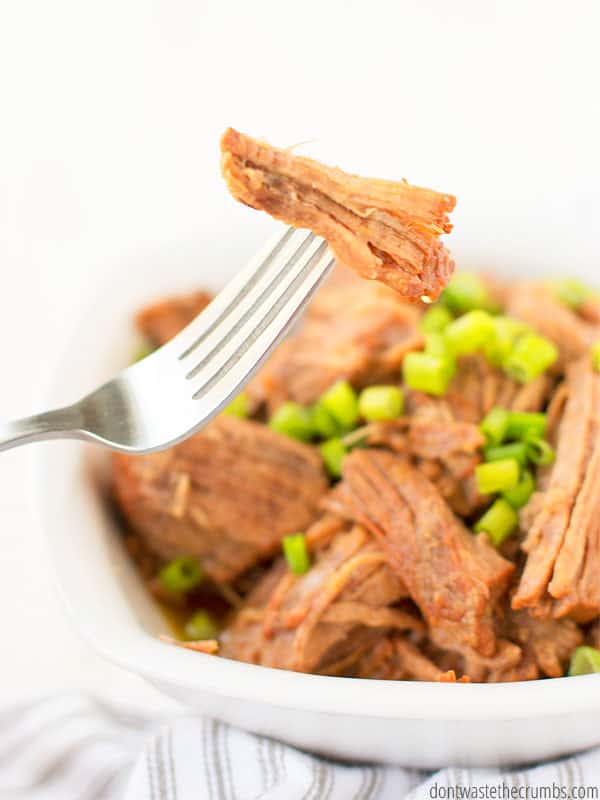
(296, 554)
(522, 424)
(333, 453)
(425, 373)
(570, 292)
(144, 351)
(238, 406)
(499, 521)
(341, 401)
(436, 345)
(200, 626)
(436, 319)
(519, 495)
(531, 356)
(539, 451)
(499, 425)
(469, 333)
(584, 661)
(497, 476)
(596, 356)
(292, 419)
(323, 423)
(501, 344)
(495, 425)
(517, 450)
(380, 403)
(466, 292)
(181, 575)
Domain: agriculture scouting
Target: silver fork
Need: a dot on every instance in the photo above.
(177, 389)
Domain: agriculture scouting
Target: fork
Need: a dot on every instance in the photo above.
(177, 389)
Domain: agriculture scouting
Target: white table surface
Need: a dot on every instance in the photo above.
(110, 115)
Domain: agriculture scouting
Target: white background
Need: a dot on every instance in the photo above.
(110, 115)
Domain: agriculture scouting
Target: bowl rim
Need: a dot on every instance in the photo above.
(119, 637)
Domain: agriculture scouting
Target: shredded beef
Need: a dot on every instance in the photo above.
(384, 230)
(380, 662)
(527, 649)
(593, 635)
(454, 577)
(478, 387)
(442, 436)
(325, 620)
(162, 321)
(446, 451)
(417, 666)
(463, 659)
(442, 433)
(536, 305)
(590, 310)
(398, 658)
(563, 541)
(365, 344)
(547, 643)
(227, 495)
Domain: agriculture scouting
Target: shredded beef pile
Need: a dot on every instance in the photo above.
(399, 586)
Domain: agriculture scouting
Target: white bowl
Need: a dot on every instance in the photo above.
(412, 724)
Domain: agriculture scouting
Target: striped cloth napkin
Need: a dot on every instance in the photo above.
(74, 747)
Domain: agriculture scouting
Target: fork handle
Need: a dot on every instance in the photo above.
(61, 423)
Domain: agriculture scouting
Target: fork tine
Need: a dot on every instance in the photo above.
(286, 267)
(234, 364)
(232, 296)
(238, 330)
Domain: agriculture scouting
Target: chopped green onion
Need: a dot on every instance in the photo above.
(380, 403)
(342, 403)
(324, 424)
(469, 333)
(466, 292)
(238, 406)
(531, 356)
(495, 425)
(200, 626)
(181, 575)
(517, 450)
(519, 495)
(539, 451)
(570, 292)
(333, 453)
(584, 661)
(510, 326)
(497, 476)
(296, 554)
(436, 345)
(501, 344)
(426, 373)
(144, 351)
(499, 521)
(436, 319)
(522, 424)
(596, 356)
(292, 419)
